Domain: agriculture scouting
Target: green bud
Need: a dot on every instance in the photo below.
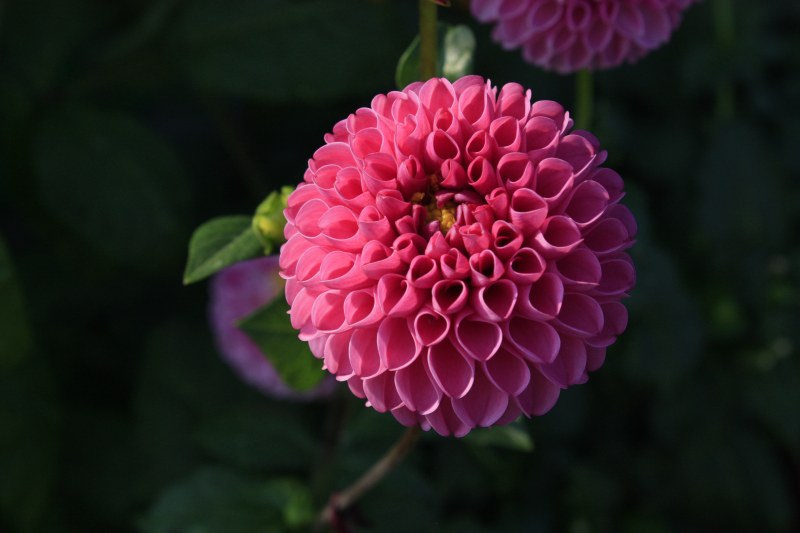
(268, 222)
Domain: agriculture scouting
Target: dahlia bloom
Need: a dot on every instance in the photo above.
(570, 35)
(236, 292)
(456, 255)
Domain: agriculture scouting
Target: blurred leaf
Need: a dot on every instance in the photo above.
(741, 196)
(29, 444)
(218, 243)
(217, 500)
(182, 384)
(456, 52)
(15, 335)
(271, 329)
(264, 438)
(268, 222)
(281, 50)
(114, 182)
(40, 37)
(510, 437)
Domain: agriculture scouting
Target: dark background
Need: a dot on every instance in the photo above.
(124, 125)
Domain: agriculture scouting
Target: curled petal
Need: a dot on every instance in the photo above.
(396, 345)
(535, 341)
(580, 315)
(559, 236)
(361, 308)
(508, 372)
(377, 260)
(417, 388)
(477, 338)
(430, 327)
(364, 356)
(382, 393)
(542, 299)
(568, 368)
(525, 266)
(539, 396)
(495, 302)
(449, 296)
(580, 269)
(423, 272)
(453, 372)
(527, 210)
(507, 239)
(484, 403)
(485, 268)
(397, 296)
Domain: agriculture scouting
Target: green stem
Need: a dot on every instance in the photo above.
(427, 39)
(725, 32)
(584, 99)
(341, 501)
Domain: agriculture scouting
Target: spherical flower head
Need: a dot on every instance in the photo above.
(570, 35)
(456, 255)
(236, 292)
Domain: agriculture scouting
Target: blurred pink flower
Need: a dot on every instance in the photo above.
(457, 255)
(570, 35)
(236, 292)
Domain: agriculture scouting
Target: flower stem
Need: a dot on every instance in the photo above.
(342, 500)
(427, 39)
(725, 32)
(584, 99)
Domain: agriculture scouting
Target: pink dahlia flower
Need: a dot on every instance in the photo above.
(236, 292)
(570, 35)
(457, 254)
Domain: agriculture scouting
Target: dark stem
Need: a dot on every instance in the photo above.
(725, 32)
(427, 39)
(584, 99)
(342, 500)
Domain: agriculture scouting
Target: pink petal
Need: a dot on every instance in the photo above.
(535, 341)
(484, 403)
(396, 345)
(476, 337)
(508, 372)
(416, 388)
(452, 372)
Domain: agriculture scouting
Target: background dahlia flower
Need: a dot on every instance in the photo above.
(236, 292)
(457, 254)
(570, 35)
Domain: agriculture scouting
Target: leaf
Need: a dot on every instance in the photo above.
(271, 330)
(218, 243)
(111, 180)
(272, 439)
(287, 50)
(15, 335)
(455, 57)
(218, 500)
(510, 437)
(30, 436)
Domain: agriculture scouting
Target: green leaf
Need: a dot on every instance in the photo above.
(455, 57)
(30, 435)
(286, 50)
(510, 437)
(266, 438)
(111, 180)
(216, 500)
(271, 330)
(218, 243)
(15, 336)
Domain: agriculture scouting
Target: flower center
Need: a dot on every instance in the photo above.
(445, 214)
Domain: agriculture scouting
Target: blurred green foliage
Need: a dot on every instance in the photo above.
(123, 125)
